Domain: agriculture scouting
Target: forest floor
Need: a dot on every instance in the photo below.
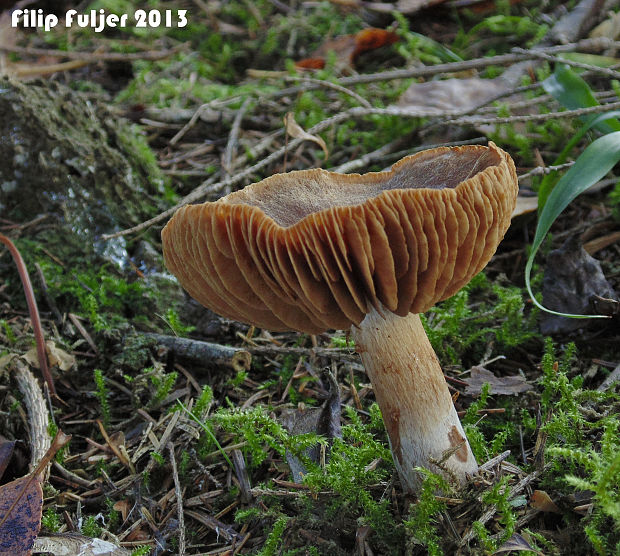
(219, 451)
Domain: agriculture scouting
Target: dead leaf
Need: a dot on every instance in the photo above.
(504, 385)
(516, 542)
(21, 526)
(324, 420)
(610, 28)
(348, 48)
(573, 279)
(451, 95)
(311, 63)
(296, 131)
(123, 506)
(525, 205)
(540, 500)
(6, 451)
(55, 356)
(5, 360)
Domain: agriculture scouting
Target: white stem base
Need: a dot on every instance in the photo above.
(418, 412)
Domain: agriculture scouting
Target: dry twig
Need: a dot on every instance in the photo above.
(179, 498)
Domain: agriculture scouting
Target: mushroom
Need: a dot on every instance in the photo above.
(314, 250)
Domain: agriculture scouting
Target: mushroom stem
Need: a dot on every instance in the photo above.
(410, 388)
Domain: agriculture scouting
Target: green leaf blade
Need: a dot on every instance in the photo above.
(573, 92)
(593, 164)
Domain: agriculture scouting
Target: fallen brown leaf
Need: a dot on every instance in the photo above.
(516, 542)
(504, 385)
(540, 500)
(451, 95)
(296, 131)
(22, 520)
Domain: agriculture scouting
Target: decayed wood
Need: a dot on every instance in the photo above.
(205, 352)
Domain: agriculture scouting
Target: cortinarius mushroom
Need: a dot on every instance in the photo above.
(314, 250)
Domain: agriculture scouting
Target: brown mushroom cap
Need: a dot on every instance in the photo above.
(313, 250)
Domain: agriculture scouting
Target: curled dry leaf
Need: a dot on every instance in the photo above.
(296, 131)
(504, 385)
(540, 500)
(55, 356)
(324, 421)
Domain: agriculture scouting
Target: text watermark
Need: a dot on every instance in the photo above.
(99, 20)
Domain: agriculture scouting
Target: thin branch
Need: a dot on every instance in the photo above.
(559, 60)
(179, 498)
(543, 170)
(477, 120)
(601, 43)
(330, 85)
(93, 56)
(233, 138)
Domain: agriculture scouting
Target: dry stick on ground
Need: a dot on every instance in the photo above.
(197, 350)
(179, 498)
(33, 310)
(542, 170)
(233, 138)
(611, 379)
(150, 55)
(559, 60)
(477, 120)
(330, 85)
(27, 70)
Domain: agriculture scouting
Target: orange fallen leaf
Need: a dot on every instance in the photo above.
(540, 500)
(311, 63)
(348, 47)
